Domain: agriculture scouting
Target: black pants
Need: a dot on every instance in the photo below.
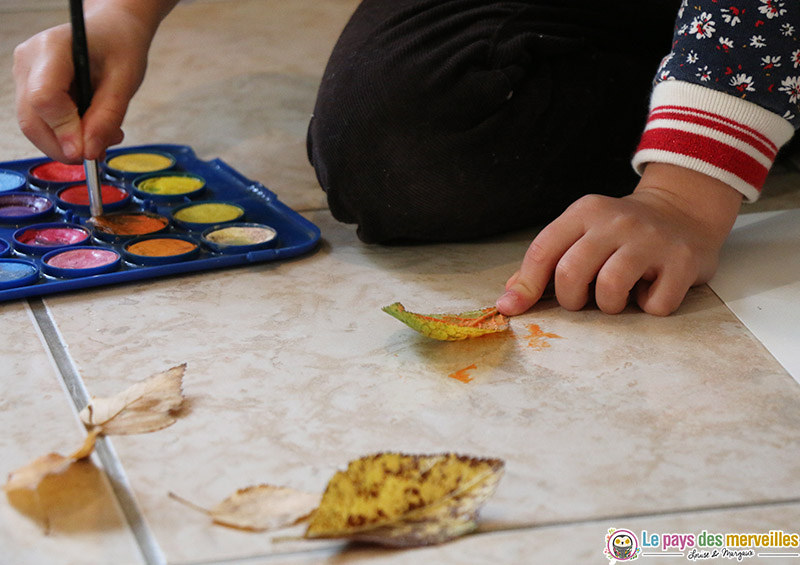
(442, 120)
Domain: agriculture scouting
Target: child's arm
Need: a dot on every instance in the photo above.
(727, 98)
(119, 34)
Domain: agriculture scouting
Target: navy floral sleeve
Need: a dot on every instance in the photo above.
(727, 96)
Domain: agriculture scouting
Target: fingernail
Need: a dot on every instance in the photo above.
(510, 303)
(70, 151)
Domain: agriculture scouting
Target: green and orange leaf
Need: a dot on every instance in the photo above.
(451, 327)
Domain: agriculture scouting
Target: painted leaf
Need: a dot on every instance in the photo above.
(405, 500)
(451, 327)
(264, 507)
(144, 407)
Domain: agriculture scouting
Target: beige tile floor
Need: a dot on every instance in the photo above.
(681, 424)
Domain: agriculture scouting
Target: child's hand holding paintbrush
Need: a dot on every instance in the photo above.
(119, 36)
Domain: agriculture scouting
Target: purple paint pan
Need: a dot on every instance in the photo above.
(21, 207)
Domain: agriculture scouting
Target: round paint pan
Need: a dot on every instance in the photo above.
(5, 248)
(239, 237)
(11, 181)
(121, 226)
(169, 187)
(24, 207)
(127, 165)
(160, 249)
(76, 198)
(17, 272)
(52, 175)
(38, 239)
(79, 262)
(201, 215)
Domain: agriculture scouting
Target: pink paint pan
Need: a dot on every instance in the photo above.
(83, 261)
(38, 239)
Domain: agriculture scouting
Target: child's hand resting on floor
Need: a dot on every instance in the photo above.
(650, 246)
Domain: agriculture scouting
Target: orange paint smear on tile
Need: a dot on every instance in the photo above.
(538, 339)
(463, 374)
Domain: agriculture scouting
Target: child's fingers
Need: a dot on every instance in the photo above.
(45, 110)
(103, 128)
(42, 136)
(577, 269)
(512, 280)
(52, 125)
(618, 277)
(103, 120)
(538, 266)
(59, 118)
(666, 293)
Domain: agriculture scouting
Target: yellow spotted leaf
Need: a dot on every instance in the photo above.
(405, 500)
(146, 406)
(451, 327)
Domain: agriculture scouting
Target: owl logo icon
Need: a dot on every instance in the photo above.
(621, 545)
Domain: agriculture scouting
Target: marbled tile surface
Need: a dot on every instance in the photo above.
(37, 418)
(684, 423)
(288, 380)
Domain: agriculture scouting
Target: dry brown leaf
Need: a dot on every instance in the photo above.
(264, 507)
(29, 476)
(61, 486)
(74, 500)
(405, 500)
(146, 406)
(451, 327)
(260, 508)
(22, 486)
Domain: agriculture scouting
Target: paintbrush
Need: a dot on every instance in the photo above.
(83, 79)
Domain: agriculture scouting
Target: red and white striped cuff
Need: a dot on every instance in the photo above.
(725, 137)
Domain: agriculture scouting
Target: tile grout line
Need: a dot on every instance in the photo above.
(112, 466)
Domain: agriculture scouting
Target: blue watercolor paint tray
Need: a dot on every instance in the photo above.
(296, 235)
